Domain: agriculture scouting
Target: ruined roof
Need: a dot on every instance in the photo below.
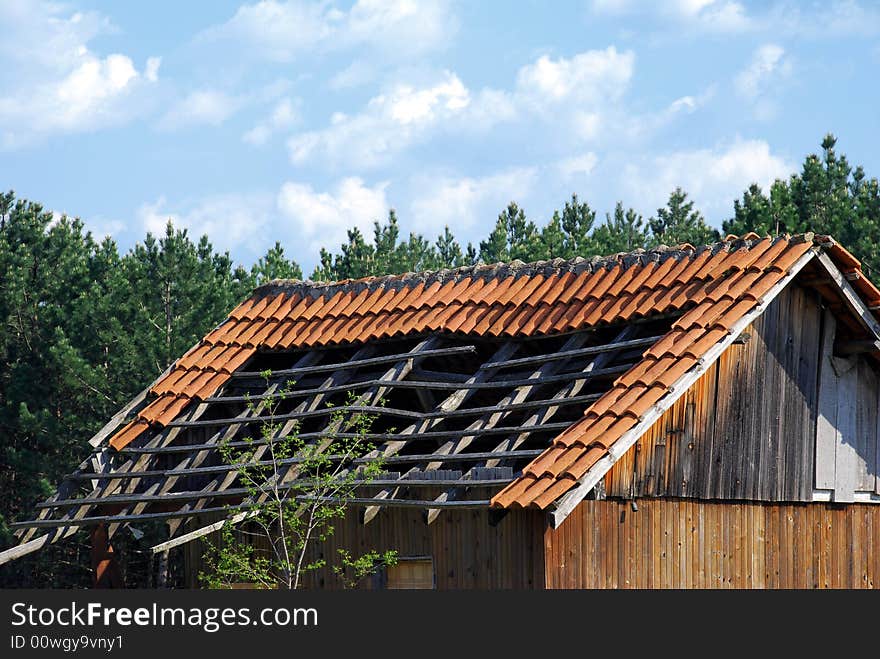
(513, 299)
(699, 299)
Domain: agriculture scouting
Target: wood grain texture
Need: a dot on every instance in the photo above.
(746, 429)
(687, 543)
(467, 551)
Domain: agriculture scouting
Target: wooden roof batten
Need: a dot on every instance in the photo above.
(499, 401)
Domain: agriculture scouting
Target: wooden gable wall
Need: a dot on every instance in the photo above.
(748, 428)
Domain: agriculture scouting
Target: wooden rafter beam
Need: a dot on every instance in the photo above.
(543, 414)
(220, 483)
(450, 403)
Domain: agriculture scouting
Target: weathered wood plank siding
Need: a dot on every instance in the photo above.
(747, 428)
(467, 551)
(687, 543)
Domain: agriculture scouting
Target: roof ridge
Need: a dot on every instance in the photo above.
(514, 268)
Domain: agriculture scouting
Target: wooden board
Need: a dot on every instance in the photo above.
(746, 429)
(687, 543)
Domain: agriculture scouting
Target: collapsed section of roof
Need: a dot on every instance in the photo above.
(511, 386)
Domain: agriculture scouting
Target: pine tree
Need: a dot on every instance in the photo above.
(448, 250)
(622, 232)
(678, 222)
(552, 243)
(577, 222)
(274, 265)
(514, 237)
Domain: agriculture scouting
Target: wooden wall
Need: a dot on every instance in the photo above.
(746, 429)
(686, 543)
(468, 552)
(847, 437)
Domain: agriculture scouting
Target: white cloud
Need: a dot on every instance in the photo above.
(55, 83)
(817, 20)
(356, 74)
(283, 116)
(593, 77)
(702, 15)
(573, 94)
(766, 61)
(713, 15)
(321, 219)
(151, 71)
(467, 204)
(284, 31)
(828, 19)
(201, 107)
(712, 177)
(240, 223)
(390, 122)
(759, 81)
(577, 166)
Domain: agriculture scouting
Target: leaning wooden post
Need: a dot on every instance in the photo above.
(106, 571)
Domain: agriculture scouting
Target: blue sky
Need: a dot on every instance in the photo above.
(293, 121)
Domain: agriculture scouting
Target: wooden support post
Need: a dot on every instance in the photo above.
(105, 568)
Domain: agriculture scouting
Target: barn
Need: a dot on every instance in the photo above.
(683, 417)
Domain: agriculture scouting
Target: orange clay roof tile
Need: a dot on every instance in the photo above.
(129, 433)
(791, 255)
(579, 287)
(547, 458)
(513, 289)
(624, 278)
(337, 304)
(428, 295)
(547, 324)
(587, 459)
(693, 316)
(447, 292)
(660, 274)
(172, 411)
(674, 371)
(490, 290)
(211, 386)
(733, 314)
(639, 407)
(708, 339)
(618, 309)
(513, 491)
(262, 309)
(559, 487)
(180, 383)
(842, 257)
(627, 397)
(562, 462)
(535, 489)
(694, 269)
(605, 282)
(286, 304)
(680, 266)
(169, 382)
(777, 247)
(242, 309)
(193, 355)
(550, 289)
(501, 323)
(638, 279)
(637, 372)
